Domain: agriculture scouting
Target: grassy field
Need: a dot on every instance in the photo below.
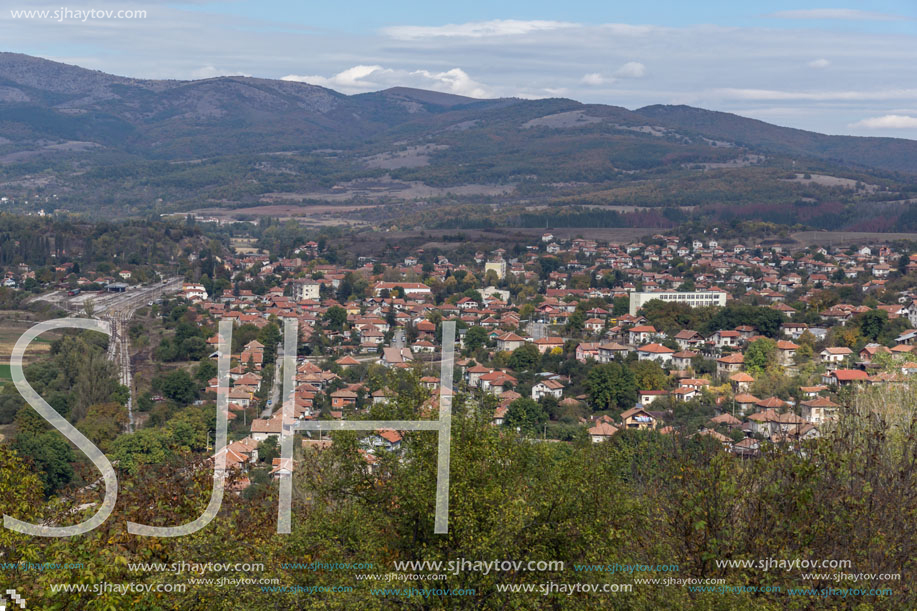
(12, 325)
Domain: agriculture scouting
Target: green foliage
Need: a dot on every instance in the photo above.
(475, 338)
(205, 371)
(177, 385)
(10, 403)
(268, 450)
(526, 415)
(242, 335)
(51, 455)
(671, 317)
(649, 375)
(20, 496)
(872, 324)
(760, 356)
(270, 336)
(766, 320)
(525, 358)
(335, 317)
(103, 423)
(610, 386)
(640, 497)
(145, 447)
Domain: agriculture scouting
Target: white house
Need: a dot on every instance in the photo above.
(655, 352)
(547, 387)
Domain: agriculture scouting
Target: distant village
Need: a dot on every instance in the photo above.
(533, 324)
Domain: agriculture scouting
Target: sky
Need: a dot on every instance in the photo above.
(838, 68)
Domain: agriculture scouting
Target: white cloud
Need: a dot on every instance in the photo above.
(725, 67)
(627, 29)
(819, 63)
(209, 71)
(887, 122)
(475, 29)
(628, 70)
(454, 81)
(847, 14)
(631, 70)
(817, 96)
(594, 78)
(364, 78)
(348, 81)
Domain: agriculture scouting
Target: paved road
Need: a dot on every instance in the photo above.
(277, 386)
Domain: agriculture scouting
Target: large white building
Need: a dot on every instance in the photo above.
(409, 288)
(692, 298)
(308, 289)
(194, 292)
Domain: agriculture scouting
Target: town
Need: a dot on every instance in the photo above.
(557, 339)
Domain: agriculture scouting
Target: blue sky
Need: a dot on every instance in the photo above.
(827, 66)
(365, 17)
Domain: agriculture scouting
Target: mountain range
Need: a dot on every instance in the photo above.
(121, 142)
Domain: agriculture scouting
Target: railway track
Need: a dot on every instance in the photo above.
(118, 313)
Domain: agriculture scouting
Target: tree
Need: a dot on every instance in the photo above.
(620, 306)
(268, 450)
(807, 339)
(10, 403)
(205, 371)
(766, 320)
(51, 455)
(611, 385)
(525, 414)
(20, 494)
(475, 338)
(95, 382)
(872, 324)
(524, 358)
(546, 265)
(760, 356)
(336, 317)
(804, 354)
(145, 447)
(243, 335)
(270, 336)
(177, 386)
(193, 348)
(670, 316)
(649, 375)
(576, 321)
(103, 423)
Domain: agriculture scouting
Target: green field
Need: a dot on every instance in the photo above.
(5, 374)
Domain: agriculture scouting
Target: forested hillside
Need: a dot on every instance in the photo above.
(104, 145)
